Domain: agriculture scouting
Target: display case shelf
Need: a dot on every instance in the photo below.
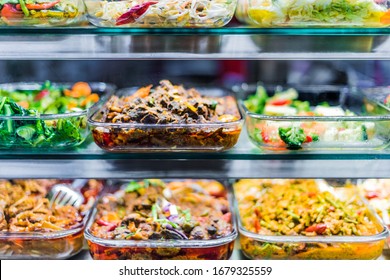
(181, 43)
(245, 160)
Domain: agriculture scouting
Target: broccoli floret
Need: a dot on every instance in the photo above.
(256, 103)
(292, 136)
(315, 137)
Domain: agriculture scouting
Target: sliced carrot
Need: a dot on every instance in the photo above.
(142, 92)
(67, 92)
(82, 89)
(24, 104)
(91, 98)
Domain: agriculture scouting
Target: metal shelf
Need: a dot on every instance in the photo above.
(180, 43)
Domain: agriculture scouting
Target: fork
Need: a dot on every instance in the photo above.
(67, 194)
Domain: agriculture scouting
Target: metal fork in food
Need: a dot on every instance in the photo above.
(65, 194)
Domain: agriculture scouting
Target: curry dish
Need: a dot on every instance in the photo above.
(167, 117)
(32, 228)
(156, 211)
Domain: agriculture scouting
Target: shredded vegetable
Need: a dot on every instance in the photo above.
(163, 13)
(319, 12)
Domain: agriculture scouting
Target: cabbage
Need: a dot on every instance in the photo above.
(319, 11)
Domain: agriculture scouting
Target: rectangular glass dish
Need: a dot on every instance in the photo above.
(46, 13)
(58, 131)
(60, 244)
(158, 245)
(317, 243)
(160, 13)
(333, 13)
(377, 193)
(141, 137)
(363, 124)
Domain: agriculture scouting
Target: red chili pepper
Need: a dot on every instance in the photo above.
(41, 95)
(110, 226)
(371, 195)
(134, 13)
(257, 225)
(280, 102)
(318, 228)
(9, 11)
(43, 6)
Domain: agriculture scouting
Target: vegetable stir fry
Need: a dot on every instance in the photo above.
(308, 208)
(25, 119)
(369, 13)
(39, 11)
(300, 207)
(162, 13)
(151, 209)
(152, 111)
(312, 131)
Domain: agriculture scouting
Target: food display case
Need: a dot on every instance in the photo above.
(130, 41)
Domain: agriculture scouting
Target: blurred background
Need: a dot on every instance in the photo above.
(190, 72)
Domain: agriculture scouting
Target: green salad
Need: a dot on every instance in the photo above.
(47, 116)
(373, 13)
(309, 130)
(13, 12)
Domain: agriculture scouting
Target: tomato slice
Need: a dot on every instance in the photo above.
(371, 195)
(41, 95)
(280, 102)
(9, 11)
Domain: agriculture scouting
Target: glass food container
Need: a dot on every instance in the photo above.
(259, 246)
(363, 125)
(308, 13)
(160, 13)
(242, 12)
(49, 131)
(50, 245)
(211, 249)
(42, 13)
(134, 137)
(377, 193)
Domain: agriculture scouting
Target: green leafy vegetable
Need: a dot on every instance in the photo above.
(256, 103)
(43, 132)
(133, 186)
(26, 132)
